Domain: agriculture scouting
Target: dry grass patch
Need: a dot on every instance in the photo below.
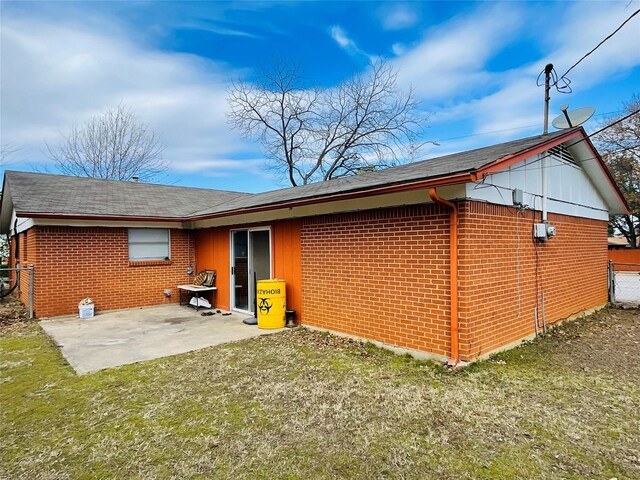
(307, 405)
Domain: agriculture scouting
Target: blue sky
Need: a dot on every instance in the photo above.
(473, 65)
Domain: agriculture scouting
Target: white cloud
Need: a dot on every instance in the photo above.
(583, 27)
(55, 75)
(398, 49)
(453, 56)
(450, 67)
(217, 29)
(339, 35)
(221, 167)
(520, 101)
(398, 16)
(345, 42)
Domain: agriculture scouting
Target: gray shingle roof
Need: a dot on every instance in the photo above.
(462, 162)
(58, 194)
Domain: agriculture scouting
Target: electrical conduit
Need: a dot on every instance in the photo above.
(453, 267)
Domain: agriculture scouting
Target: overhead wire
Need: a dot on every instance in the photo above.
(621, 119)
(483, 183)
(511, 129)
(600, 44)
(562, 83)
(537, 195)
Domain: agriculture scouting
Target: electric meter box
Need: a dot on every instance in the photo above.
(540, 231)
(517, 196)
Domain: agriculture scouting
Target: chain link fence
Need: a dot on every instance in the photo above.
(624, 283)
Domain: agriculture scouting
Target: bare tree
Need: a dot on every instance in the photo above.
(620, 148)
(310, 134)
(113, 145)
(7, 152)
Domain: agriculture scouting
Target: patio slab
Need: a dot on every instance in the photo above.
(121, 337)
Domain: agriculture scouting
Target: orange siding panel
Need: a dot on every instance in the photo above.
(628, 255)
(286, 261)
(212, 253)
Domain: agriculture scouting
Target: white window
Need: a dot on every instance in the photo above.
(149, 244)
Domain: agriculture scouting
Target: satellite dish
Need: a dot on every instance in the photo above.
(574, 118)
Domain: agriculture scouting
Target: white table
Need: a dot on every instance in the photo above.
(196, 290)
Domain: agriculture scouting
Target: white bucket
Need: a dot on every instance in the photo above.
(200, 302)
(85, 311)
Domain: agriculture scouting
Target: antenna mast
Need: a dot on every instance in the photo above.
(547, 87)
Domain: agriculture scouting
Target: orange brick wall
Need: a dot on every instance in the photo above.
(384, 274)
(72, 263)
(380, 274)
(212, 253)
(497, 267)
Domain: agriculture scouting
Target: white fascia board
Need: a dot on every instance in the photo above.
(23, 223)
(68, 222)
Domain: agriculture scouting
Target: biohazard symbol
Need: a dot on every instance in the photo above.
(265, 305)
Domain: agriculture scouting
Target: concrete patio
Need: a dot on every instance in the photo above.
(120, 337)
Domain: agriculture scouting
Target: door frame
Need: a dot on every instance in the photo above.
(232, 275)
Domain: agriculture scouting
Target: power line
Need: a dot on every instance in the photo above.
(537, 195)
(598, 46)
(564, 163)
(488, 133)
(511, 129)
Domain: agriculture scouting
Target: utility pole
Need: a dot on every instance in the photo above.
(547, 87)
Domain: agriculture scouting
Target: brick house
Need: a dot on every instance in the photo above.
(445, 257)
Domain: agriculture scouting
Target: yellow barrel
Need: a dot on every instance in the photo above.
(271, 298)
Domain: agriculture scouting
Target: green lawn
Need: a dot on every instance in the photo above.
(308, 405)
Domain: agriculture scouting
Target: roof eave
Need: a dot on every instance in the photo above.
(454, 179)
(513, 158)
(609, 175)
(65, 216)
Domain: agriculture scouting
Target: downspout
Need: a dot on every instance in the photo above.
(453, 267)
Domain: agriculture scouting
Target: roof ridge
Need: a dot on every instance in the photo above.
(421, 162)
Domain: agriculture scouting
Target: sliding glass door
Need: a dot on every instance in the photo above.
(240, 270)
(250, 254)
